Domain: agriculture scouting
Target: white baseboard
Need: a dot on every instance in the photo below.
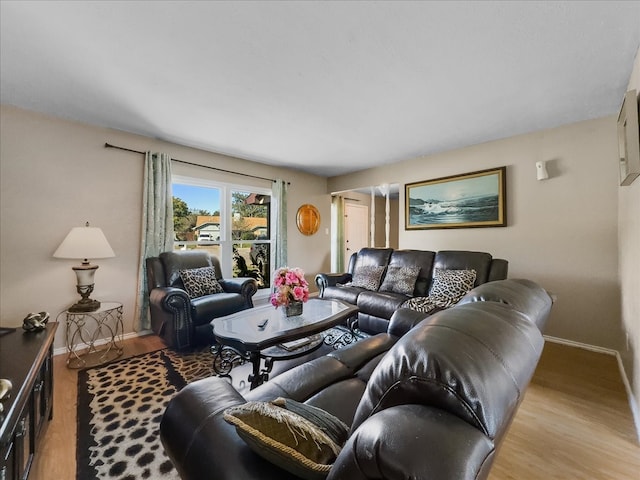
(607, 351)
(102, 341)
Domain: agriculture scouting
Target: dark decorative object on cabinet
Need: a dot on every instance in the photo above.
(25, 360)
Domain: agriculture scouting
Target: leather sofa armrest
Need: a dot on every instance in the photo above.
(245, 286)
(381, 448)
(164, 296)
(324, 280)
(404, 319)
(171, 316)
(170, 299)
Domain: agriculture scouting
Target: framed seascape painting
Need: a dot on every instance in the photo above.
(476, 199)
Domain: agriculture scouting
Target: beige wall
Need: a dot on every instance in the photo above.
(629, 259)
(56, 174)
(561, 232)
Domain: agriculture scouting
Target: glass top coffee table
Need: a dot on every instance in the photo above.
(266, 333)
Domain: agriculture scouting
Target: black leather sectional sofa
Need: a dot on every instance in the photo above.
(377, 306)
(431, 398)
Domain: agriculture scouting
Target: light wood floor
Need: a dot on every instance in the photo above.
(574, 423)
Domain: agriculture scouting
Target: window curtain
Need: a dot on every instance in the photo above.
(157, 225)
(337, 240)
(280, 223)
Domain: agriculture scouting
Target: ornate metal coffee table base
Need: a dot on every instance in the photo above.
(225, 358)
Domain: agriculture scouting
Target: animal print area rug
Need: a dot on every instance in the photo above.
(119, 410)
(120, 406)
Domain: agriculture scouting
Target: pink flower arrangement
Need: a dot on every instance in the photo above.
(290, 286)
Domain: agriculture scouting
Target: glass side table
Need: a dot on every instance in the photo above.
(94, 338)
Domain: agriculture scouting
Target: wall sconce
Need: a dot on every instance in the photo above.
(541, 170)
(84, 243)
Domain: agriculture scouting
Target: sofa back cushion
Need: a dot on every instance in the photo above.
(473, 361)
(415, 258)
(182, 260)
(517, 293)
(370, 257)
(465, 260)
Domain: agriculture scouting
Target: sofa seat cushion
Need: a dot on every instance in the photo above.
(302, 439)
(380, 304)
(205, 309)
(340, 398)
(345, 293)
(334, 382)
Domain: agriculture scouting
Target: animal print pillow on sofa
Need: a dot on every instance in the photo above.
(199, 282)
(451, 285)
(421, 304)
(400, 280)
(302, 439)
(368, 277)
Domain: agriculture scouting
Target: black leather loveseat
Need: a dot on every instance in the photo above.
(377, 303)
(430, 399)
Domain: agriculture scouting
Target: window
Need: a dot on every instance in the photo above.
(231, 222)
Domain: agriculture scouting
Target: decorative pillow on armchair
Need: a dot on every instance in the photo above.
(400, 280)
(449, 286)
(368, 277)
(199, 282)
(302, 439)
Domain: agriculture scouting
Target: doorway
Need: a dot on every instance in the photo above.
(356, 229)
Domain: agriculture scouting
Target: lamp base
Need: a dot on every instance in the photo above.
(85, 305)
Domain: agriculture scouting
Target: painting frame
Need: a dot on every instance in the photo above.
(628, 139)
(470, 200)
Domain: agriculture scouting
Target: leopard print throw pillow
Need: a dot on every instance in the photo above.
(368, 277)
(199, 282)
(400, 280)
(451, 285)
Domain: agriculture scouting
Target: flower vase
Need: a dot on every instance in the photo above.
(293, 309)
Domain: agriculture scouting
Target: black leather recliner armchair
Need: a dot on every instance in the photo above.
(184, 322)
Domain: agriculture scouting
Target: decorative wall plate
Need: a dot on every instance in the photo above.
(308, 219)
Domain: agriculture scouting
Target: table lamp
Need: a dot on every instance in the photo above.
(85, 242)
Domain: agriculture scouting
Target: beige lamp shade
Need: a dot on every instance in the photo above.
(84, 242)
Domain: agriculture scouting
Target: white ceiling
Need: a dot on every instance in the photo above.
(325, 87)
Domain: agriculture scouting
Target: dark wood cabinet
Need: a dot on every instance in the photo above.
(26, 360)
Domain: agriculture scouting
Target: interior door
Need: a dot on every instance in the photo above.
(356, 229)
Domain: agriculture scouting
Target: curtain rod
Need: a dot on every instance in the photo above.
(108, 145)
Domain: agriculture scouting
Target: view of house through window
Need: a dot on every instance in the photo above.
(231, 222)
